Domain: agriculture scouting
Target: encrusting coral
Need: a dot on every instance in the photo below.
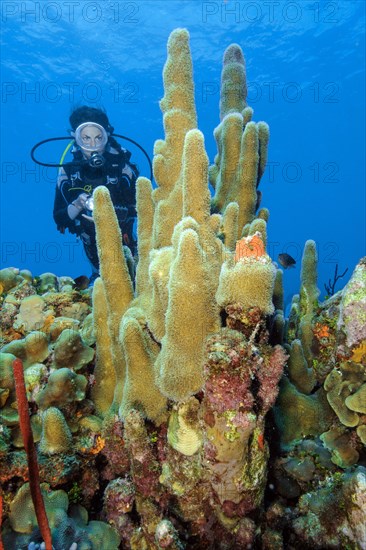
(166, 429)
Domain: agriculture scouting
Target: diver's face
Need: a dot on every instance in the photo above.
(92, 138)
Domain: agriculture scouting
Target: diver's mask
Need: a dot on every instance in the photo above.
(92, 139)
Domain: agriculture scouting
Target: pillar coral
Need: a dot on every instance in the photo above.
(242, 144)
(116, 280)
(182, 260)
(105, 375)
(233, 82)
(181, 358)
(141, 353)
(179, 116)
(185, 279)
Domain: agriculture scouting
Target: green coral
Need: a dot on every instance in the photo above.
(31, 349)
(75, 493)
(339, 442)
(357, 401)
(299, 373)
(61, 323)
(309, 292)
(63, 387)
(9, 278)
(47, 282)
(300, 415)
(67, 525)
(6, 376)
(22, 515)
(341, 385)
(56, 436)
(70, 351)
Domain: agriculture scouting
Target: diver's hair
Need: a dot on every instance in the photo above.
(113, 143)
(90, 114)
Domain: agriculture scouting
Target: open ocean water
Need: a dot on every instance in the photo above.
(306, 78)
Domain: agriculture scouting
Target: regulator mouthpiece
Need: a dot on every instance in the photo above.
(96, 160)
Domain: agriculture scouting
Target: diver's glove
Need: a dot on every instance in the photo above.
(74, 209)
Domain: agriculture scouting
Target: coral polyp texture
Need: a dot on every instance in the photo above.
(182, 410)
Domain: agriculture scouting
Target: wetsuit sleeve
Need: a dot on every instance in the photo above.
(131, 172)
(125, 205)
(61, 203)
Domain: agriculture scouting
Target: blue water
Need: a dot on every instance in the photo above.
(306, 74)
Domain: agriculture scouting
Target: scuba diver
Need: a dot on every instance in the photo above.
(98, 160)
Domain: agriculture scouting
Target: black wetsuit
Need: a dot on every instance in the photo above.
(119, 176)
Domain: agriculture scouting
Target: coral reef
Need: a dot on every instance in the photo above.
(182, 410)
(34, 482)
(345, 495)
(61, 419)
(320, 417)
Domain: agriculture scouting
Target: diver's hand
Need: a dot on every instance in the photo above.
(80, 202)
(77, 206)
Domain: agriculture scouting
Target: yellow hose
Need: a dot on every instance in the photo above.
(68, 146)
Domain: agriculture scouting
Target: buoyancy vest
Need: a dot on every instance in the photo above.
(117, 174)
(82, 175)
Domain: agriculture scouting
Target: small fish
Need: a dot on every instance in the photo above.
(286, 260)
(82, 282)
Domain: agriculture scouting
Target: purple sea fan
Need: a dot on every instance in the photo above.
(269, 376)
